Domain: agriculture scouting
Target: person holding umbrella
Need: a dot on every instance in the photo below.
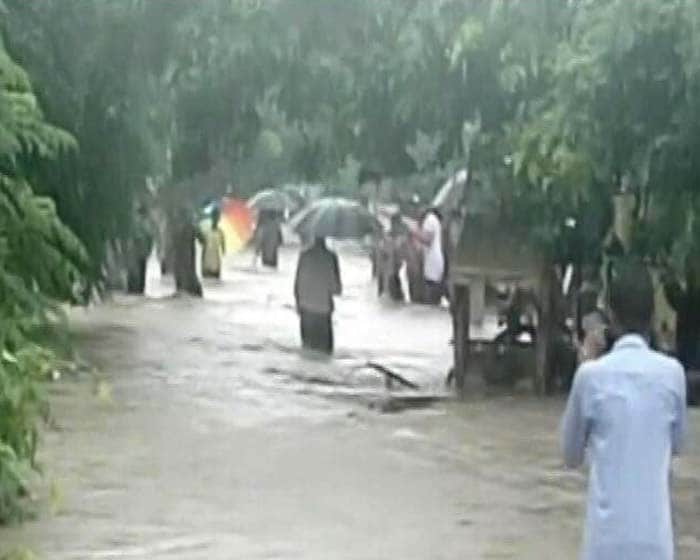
(318, 274)
(317, 282)
(268, 238)
(338, 218)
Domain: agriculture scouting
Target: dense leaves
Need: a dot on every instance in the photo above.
(575, 99)
(619, 114)
(41, 263)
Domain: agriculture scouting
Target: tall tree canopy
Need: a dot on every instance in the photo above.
(575, 97)
(41, 261)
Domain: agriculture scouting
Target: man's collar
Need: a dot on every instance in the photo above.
(630, 340)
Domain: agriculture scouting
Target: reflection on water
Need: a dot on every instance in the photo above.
(222, 439)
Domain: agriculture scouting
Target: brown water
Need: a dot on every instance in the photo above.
(215, 438)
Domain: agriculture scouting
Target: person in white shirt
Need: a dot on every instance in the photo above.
(430, 236)
(627, 416)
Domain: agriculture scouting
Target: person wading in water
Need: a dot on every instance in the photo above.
(268, 238)
(213, 247)
(317, 282)
(430, 236)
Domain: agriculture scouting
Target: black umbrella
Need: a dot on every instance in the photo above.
(335, 217)
(295, 195)
(270, 199)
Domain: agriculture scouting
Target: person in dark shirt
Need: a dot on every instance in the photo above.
(392, 252)
(685, 301)
(268, 236)
(139, 249)
(317, 282)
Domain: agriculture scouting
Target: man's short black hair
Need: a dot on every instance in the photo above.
(632, 296)
(215, 217)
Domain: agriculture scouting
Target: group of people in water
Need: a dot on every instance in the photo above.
(317, 279)
(417, 244)
(627, 407)
(266, 242)
(421, 248)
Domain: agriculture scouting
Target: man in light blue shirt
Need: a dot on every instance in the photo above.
(627, 413)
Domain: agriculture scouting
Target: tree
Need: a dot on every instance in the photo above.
(41, 263)
(99, 80)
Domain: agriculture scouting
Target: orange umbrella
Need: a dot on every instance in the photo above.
(236, 223)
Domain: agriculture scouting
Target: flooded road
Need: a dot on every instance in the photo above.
(214, 438)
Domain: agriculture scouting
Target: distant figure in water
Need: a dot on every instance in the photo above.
(317, 281)
(139, 249)
(392, 252)
(268, 238)
(685, 301)
(430, 237)
(213, 247)
(414, 270)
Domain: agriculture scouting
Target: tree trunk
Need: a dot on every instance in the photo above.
(546, 332)
(184, 256)
(114, 268)
(461, 320)
(166, 256)
(136, 276)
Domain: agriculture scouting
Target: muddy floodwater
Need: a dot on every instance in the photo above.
(212, 437)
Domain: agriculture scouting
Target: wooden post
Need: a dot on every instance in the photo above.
(545, 333)
(477, 300)
(460, 325)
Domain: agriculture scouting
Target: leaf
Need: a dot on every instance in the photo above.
(533, 172)
(8, 357)
(424, 150)
(467, 40)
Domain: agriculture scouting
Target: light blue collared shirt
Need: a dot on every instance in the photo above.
(628, 410)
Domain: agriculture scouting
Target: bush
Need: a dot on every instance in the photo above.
(41, 263)
(22, 405)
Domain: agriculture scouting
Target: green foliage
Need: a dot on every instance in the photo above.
(20, 553)
(23, 129)
(98, 69)
(562, 100)
(22, 403)
(323, 83)
(347, 177)
(620, 109)
(41, 262)
(424, 151)
(576, 95)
